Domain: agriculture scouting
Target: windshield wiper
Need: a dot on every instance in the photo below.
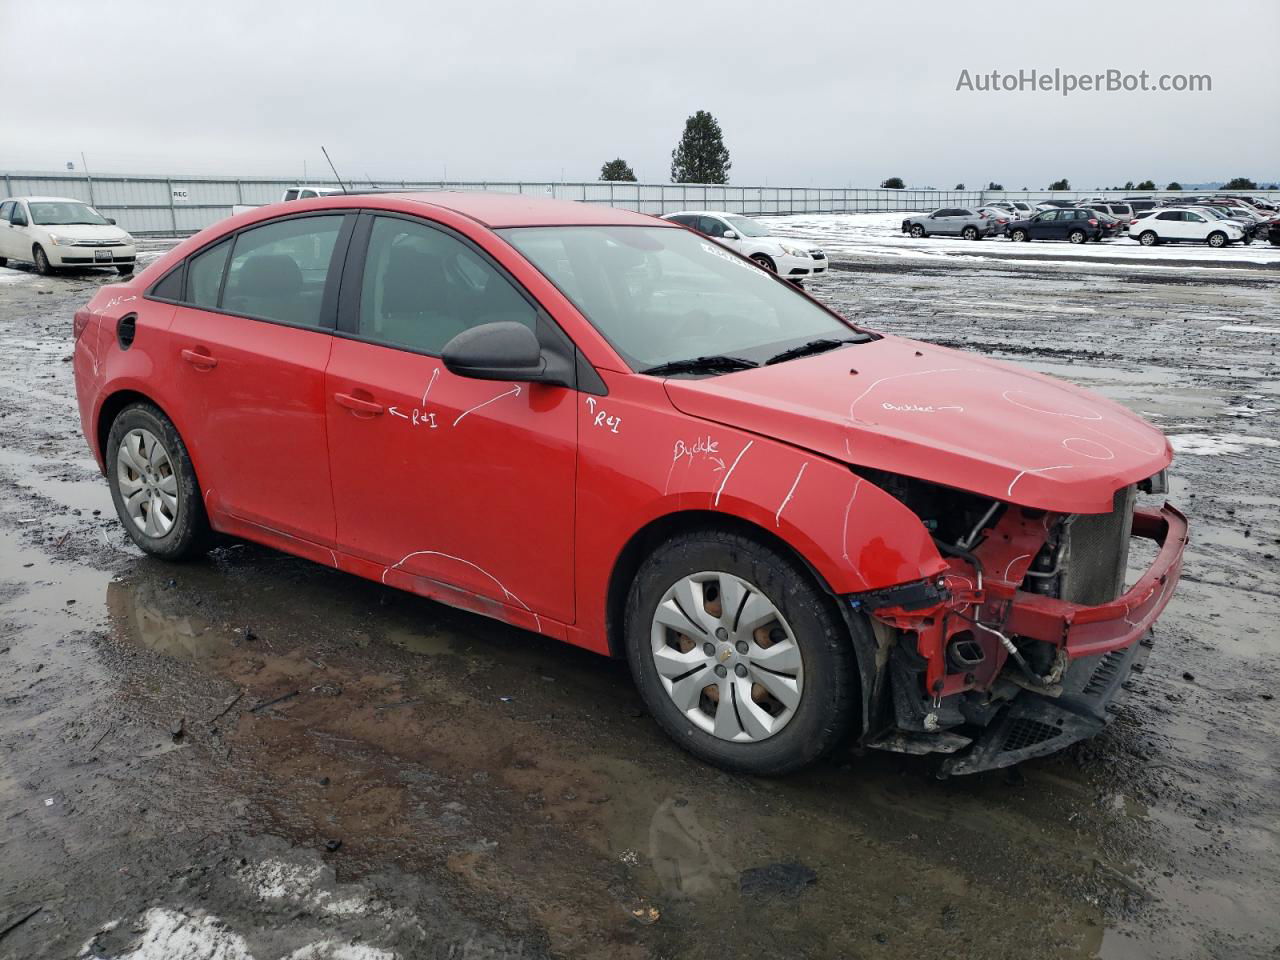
(821, 345)
(714, 364)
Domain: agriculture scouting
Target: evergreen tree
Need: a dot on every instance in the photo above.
(617, 170)
(893, 183)
(701, 156)
(1147, 185)
(995, 186)
(1062, 184)
(959, 186)
(1174, 186)
(1240, 183)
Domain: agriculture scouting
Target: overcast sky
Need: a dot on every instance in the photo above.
(807, 94)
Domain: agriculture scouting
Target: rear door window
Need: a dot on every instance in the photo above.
(204, 276)
(278, 271)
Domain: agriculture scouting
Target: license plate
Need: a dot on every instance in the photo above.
(102, 256)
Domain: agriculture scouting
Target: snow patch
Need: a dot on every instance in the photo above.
(279, 880)
(171, 935)
(1205, 445)
(1248, 328)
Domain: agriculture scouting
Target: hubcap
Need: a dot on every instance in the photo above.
(727, 657)
(148, 483)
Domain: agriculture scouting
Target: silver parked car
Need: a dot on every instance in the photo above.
(950, 222)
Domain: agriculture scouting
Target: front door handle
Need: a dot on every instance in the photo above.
(199, 359)
(356, 404)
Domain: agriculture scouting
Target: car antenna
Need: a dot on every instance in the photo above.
(334, 169)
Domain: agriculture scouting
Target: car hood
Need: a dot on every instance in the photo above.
(943, 416)
(87, 231)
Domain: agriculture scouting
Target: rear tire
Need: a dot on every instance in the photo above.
(41, 260)
(917, 231)
(167, 518)
(762, 735)
(1148, 238)
(1077, 236)
(970, 233)
(765, 262)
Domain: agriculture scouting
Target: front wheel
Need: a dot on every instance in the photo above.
(43, 267)
(738, 655)
(4, 261)
(1019, 236)
(970, 233)
(1149, 239)
(1217, 239)
(154, 486)
(917, 231)
(124, 269)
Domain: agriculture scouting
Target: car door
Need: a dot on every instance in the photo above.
(438, 478)
(18, 235)
(943, 222)
(1044, 225)
(250, 342)
(1168, 225)
(1194, 226)
(6, 228)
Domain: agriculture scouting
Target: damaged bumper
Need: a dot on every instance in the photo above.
(992, 712)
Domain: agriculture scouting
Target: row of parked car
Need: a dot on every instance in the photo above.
(1215, 220)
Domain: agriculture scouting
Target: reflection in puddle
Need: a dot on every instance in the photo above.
(136, 611)
(685, 855)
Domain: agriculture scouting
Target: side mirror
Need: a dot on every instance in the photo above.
(729, 235)
(111, 220)
(505, 350)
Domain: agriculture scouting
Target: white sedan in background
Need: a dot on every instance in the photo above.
(53, 232)
(787, 258)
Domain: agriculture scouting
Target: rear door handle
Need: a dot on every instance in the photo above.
(199, 358)
(356, 404)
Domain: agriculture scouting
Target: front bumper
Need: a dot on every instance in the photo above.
(1100, 645)
(74, 255)
(797, 268)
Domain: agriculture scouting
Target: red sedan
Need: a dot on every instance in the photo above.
(608, 429)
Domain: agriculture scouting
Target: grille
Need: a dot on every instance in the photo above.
(1024, 733)
(99, 243)
(1098, 552)
(1104, 673)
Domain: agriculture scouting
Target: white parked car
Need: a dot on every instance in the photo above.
(54, 232)
(1020, 209)
(291, 194)
(1184, 225)
(792, 259)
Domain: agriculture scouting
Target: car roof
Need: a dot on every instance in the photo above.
(48, 199)
(520, 210)
(703, 213)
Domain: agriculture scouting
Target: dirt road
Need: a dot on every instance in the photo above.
(258, 757)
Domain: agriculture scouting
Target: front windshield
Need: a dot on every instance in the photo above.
(49, 213)
(747, 227)
(660, 295)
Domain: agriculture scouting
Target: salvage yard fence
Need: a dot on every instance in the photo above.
(178, 205)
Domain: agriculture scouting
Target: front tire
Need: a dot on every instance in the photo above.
(1217, 239)
(1020, 236)
(4, 261)
(765, 263)
(738, 654)
(41, 260)
(154, 485)
(917, 231)
(124, 269)
(1149, 239)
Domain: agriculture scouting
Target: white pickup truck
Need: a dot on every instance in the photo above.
(292, 193)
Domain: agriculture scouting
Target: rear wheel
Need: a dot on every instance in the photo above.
(154, 486)
(1077, 236)
(969, 233)
(739, 656)
(41, 259)
(1217, 239)
(917, 231)
(1020, 235)
(1148, 238)
(765, 262)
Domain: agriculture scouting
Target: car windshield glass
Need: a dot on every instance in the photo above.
(747, 227)
(48, 213)
(660, 295)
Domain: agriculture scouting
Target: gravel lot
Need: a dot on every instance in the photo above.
(427, 783)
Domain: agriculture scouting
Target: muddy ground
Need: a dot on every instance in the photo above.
(254, 756)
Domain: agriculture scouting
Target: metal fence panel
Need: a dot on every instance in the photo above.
(152, 204)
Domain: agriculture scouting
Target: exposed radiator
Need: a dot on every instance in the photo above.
(1097, 554)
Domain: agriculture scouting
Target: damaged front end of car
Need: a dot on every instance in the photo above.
(1024, 644)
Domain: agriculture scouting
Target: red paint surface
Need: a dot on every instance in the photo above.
(521, 508)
